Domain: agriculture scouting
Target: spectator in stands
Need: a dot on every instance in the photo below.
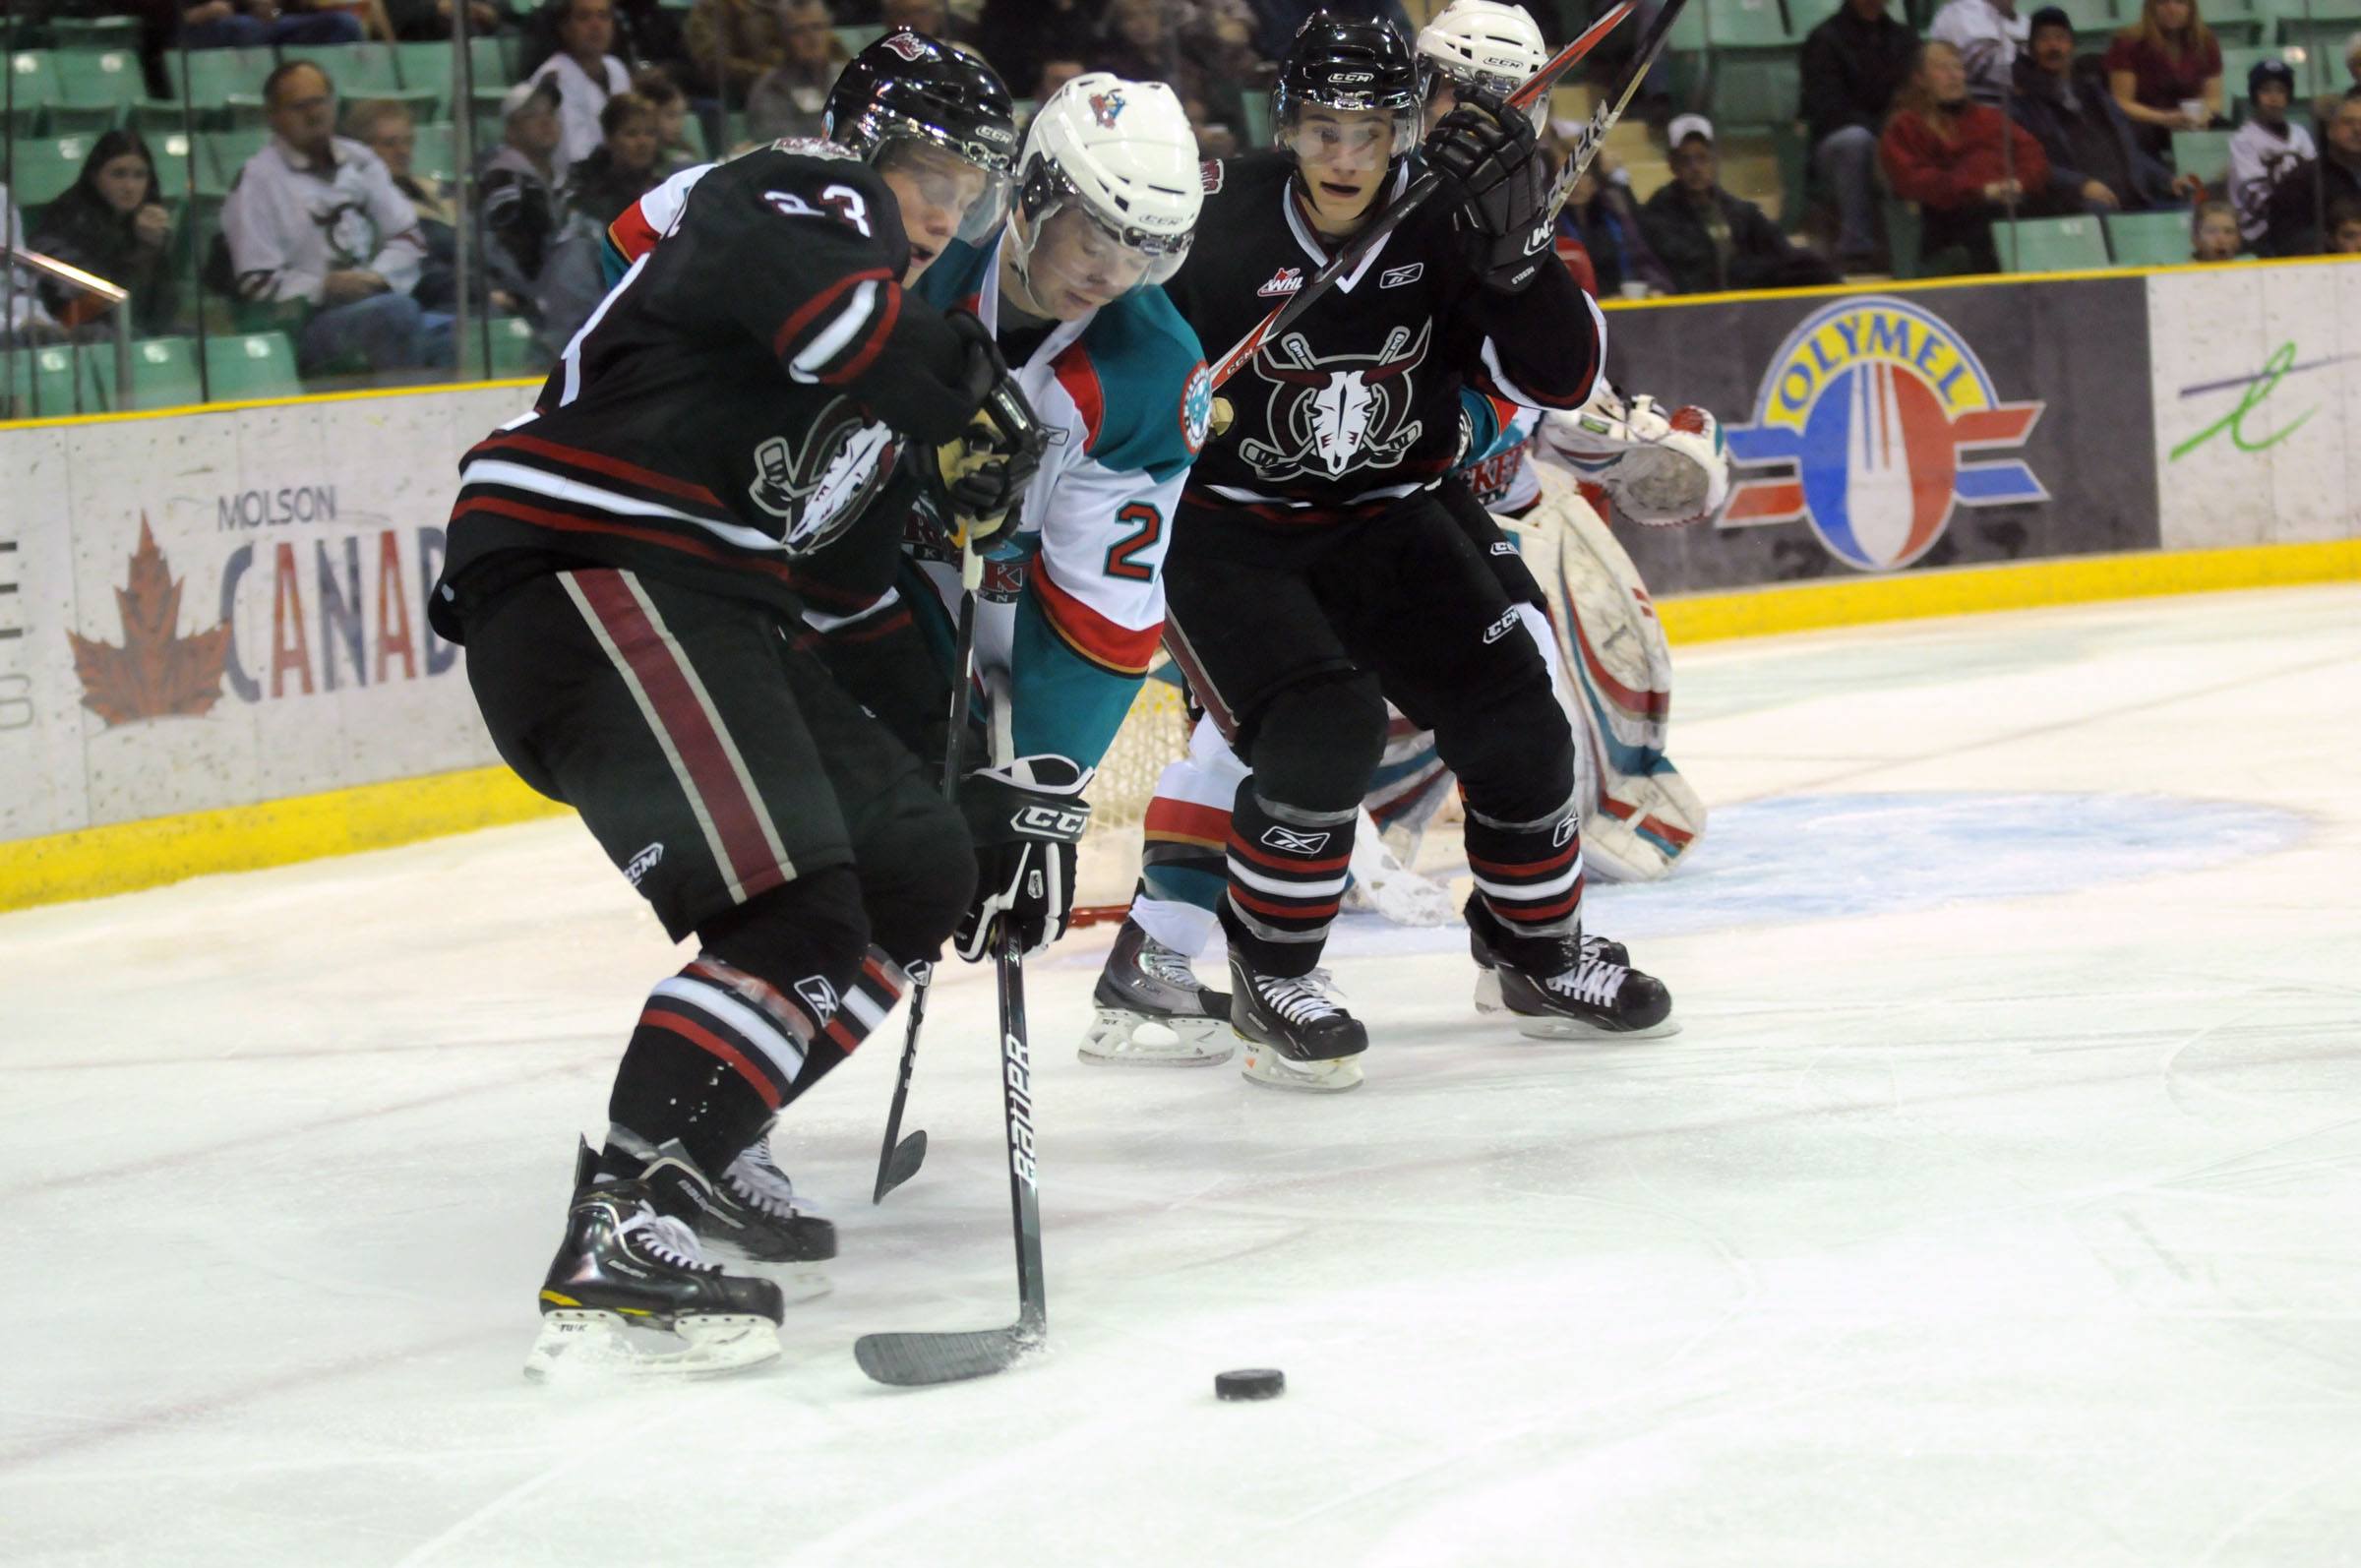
(731, 43)
(425, 21)
(1710, 240)
(2267, 146)
(383, 126)
(2167, 72)
(112, 222)
(623, 167)
(520, 208)
(584, 74)
(1057, 70)
(1601, 216)
(791, 99)
(1021, 36)
(2292, 217)
(314, 219)
(1988, 35)
(2344, 228)
(1853, 64)
(1963, 163)
(2094, 159)
(252, 23)
(674, 151)
(2214, 234)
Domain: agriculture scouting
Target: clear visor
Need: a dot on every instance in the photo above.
(1073, 263)
(1365, 142)
(1459, 82)
(940, 191)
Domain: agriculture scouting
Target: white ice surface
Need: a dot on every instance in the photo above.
(1999, 1205)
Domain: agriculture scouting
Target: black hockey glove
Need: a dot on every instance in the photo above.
(977, 479)
(1491, 164)
(1025, 820)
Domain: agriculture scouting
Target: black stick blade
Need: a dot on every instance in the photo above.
(915, 1360)
(908, 1156)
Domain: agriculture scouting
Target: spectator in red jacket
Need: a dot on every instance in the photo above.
(1964, 163)
(2166, 73)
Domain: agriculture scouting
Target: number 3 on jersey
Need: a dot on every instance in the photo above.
(841, 200)
(1123, 557)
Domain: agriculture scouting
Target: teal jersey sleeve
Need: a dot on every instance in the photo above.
(1143, 350)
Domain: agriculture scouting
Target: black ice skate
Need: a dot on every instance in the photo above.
(755, 1214)
(1153, 1011)
(1297, 1034)
(1584, 991)
(628, 1291)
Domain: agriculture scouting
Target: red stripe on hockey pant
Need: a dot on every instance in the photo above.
(1188, 821)
(1556, 863)
(720, 793)
(1080, 379)
(599, 463)
(1288, 866)
(1511, 911)
(1319, 914)
(812, 308)
(472, 500)
(882, 327)
(1122, 649)
(672, 1023)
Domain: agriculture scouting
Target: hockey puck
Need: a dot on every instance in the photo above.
(1255, 1382)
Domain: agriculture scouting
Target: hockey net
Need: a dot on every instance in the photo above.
(1155, 734)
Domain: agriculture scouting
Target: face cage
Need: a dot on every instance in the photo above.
(879, 136)
(1464, 80)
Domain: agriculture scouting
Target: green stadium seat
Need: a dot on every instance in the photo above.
(426, 68)
(1756, 92)
(34, 76)
(171, 151)
(22, 119)
(2149, 239)
(1903, 230)
(2238, 24)
(80, 119)
(214, 74)
(358, 70)
(251, 365)
(421, 104)
(436, 150)
(42, 385)
(491, 61)
(2203, 153)
(856, 40)
(95, 32)
(242, 112)
(1748, 25)
(46, 165)
(693, 130)
(227, 153)
(155, 117)
(163, 374)
(2050, 245)
(2235, 64)
(516, 350)
(107, 76)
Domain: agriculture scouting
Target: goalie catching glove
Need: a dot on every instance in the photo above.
(1025, 819)
(1661, 470)
(1491, 163)
(976, 480)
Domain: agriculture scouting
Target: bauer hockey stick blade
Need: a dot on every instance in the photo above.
(898, 1157)
(1592, 136)
(1411, 200)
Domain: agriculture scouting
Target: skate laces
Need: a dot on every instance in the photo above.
(1593, 981)
(1299, 999)
(1164, 964)
(666, 1239)
(762, 1185)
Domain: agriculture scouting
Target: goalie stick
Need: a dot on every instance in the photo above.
(918, 1359)
(1425, 185)
(898, 1157)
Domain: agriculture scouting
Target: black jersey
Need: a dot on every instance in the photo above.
(737, 401)
(1356, 405)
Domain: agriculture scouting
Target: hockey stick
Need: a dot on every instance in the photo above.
(917, 1359)
(1424, 186)
(898, 1157)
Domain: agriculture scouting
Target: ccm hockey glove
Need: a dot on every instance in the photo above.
(978, 478)
(1025, 820)
(1491, 163)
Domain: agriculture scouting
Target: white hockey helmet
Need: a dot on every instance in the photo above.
(1483, 43)
(1121, 154)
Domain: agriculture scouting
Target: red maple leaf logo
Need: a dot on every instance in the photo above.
(155, 674)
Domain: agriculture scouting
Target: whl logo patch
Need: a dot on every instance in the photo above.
(1286, 841)
(1287, 281)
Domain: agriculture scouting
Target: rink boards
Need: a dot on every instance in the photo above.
(214, 652)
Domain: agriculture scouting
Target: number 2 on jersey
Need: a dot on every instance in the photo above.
(1123, 557)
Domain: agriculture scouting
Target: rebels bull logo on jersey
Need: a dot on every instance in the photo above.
(818, 491)
(1344, 412)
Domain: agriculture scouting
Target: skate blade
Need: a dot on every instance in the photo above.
(1266, 1065)
(1121, 1039)
(1490, 1004)
(584, 1343)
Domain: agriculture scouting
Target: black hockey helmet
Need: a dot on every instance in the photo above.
(909, 87)
(1350, 63)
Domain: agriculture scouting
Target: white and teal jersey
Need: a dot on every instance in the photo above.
(1073, 605)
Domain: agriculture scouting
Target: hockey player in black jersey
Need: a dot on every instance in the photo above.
(622, 570)
(1315, 571)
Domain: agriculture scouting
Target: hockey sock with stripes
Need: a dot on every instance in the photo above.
(1288, 867)
(1529, 878)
